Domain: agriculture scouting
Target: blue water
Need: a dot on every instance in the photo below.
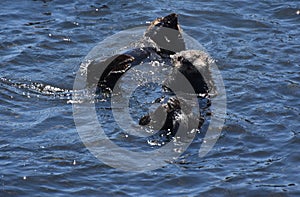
(256, 46)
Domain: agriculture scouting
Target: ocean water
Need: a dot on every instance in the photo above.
(255, 45)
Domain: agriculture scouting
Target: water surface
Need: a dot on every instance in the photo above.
(256, 45)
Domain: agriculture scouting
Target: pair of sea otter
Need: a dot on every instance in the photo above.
(168, 46)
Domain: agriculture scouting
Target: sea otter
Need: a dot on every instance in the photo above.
(178, 113)
(167, 39)
(166, 45)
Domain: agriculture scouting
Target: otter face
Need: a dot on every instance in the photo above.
(195, 66)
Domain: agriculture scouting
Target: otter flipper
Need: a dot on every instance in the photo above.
(107, 72)
(115, 70)
(167, 34)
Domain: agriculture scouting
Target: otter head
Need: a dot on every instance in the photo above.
(167, 34)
